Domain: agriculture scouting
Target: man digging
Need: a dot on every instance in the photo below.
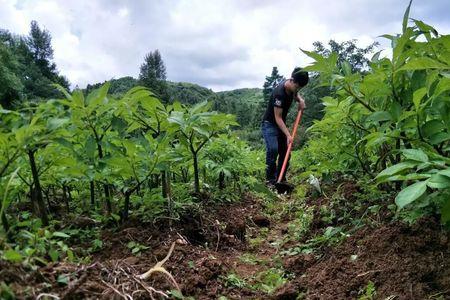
(276, 134)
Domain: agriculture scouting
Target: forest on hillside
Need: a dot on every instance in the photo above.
(143, 188)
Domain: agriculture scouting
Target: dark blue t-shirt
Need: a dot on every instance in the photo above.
(279, 98)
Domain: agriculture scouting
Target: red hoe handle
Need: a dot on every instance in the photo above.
(288, 152)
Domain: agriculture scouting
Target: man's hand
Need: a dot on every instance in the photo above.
(289, 139)
(301, 102)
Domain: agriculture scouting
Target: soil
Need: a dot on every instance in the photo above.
(224, 250)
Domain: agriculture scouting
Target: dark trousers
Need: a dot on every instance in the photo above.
(276, 146)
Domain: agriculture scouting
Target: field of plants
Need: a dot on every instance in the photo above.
(124, 195)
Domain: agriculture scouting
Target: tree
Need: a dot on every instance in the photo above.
(153, 75)
(270, 83)
(347, 51)
(27, 70)
(40, 45)
(11, 86)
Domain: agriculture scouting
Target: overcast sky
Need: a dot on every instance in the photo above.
(222, 45)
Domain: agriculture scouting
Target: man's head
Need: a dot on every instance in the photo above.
(299, 77)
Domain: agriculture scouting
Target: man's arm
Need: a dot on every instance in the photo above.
(278, 111)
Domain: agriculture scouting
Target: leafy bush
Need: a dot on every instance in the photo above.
(391, 122)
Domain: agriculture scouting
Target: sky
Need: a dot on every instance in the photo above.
(220, 44)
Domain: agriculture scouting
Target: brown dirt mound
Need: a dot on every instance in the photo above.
(402, 261)
(208, 240)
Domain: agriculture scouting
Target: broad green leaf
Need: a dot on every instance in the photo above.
(347, 68)
(314, 55)
(64, 91)
(395, 109)
(407, 114)
(118, 124)
(63, 279)
(432, 78)
(54, 254)
(379, 116)
(442, 86)
(151, 104)
(177, 106)
(13, 256)
(415, 154)
(395, 169)
(399, 48)
(64, 142)
(438, 181)
(375, 138)
(424, 166)
(439, 138)
(57, 123)
(177, 117)
(388, 36)
(97, 96)
(78, 98)
(376, 57)
(422, 63)
(90, 147)
(201, 107)
(60, 234)
(432, 127)
(445, 172)
(411, 193)
(202, 130)
(425, 27)
(413, 176)
(417, 97)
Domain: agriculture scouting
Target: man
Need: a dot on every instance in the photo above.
(274, 129)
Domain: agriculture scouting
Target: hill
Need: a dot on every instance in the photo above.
(189, 93)
(245, 103)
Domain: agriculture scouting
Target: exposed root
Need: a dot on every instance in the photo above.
(47, 295)
(159, 268)
(121, 280)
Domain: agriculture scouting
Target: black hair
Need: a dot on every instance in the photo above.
(299, 76)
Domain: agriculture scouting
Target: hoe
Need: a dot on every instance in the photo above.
(282, 186)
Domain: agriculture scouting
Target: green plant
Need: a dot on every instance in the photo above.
(37, 247)
(268, 281)
(301, 224)
(195, 127)
(327, 214)
(392, 117)
(368, 293)
(251, 259)
(136, 248)
(6, 201)
(97, 245)
(331, 236)
(233, 280)
(6, 292)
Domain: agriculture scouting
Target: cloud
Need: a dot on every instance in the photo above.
(218, 44)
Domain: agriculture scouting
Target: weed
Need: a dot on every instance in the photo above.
(251, 259)
(331, 236)
(233, 280)
(368, 293)
(301, 224)
(136, 248)
(255, 242)
(268, 281)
